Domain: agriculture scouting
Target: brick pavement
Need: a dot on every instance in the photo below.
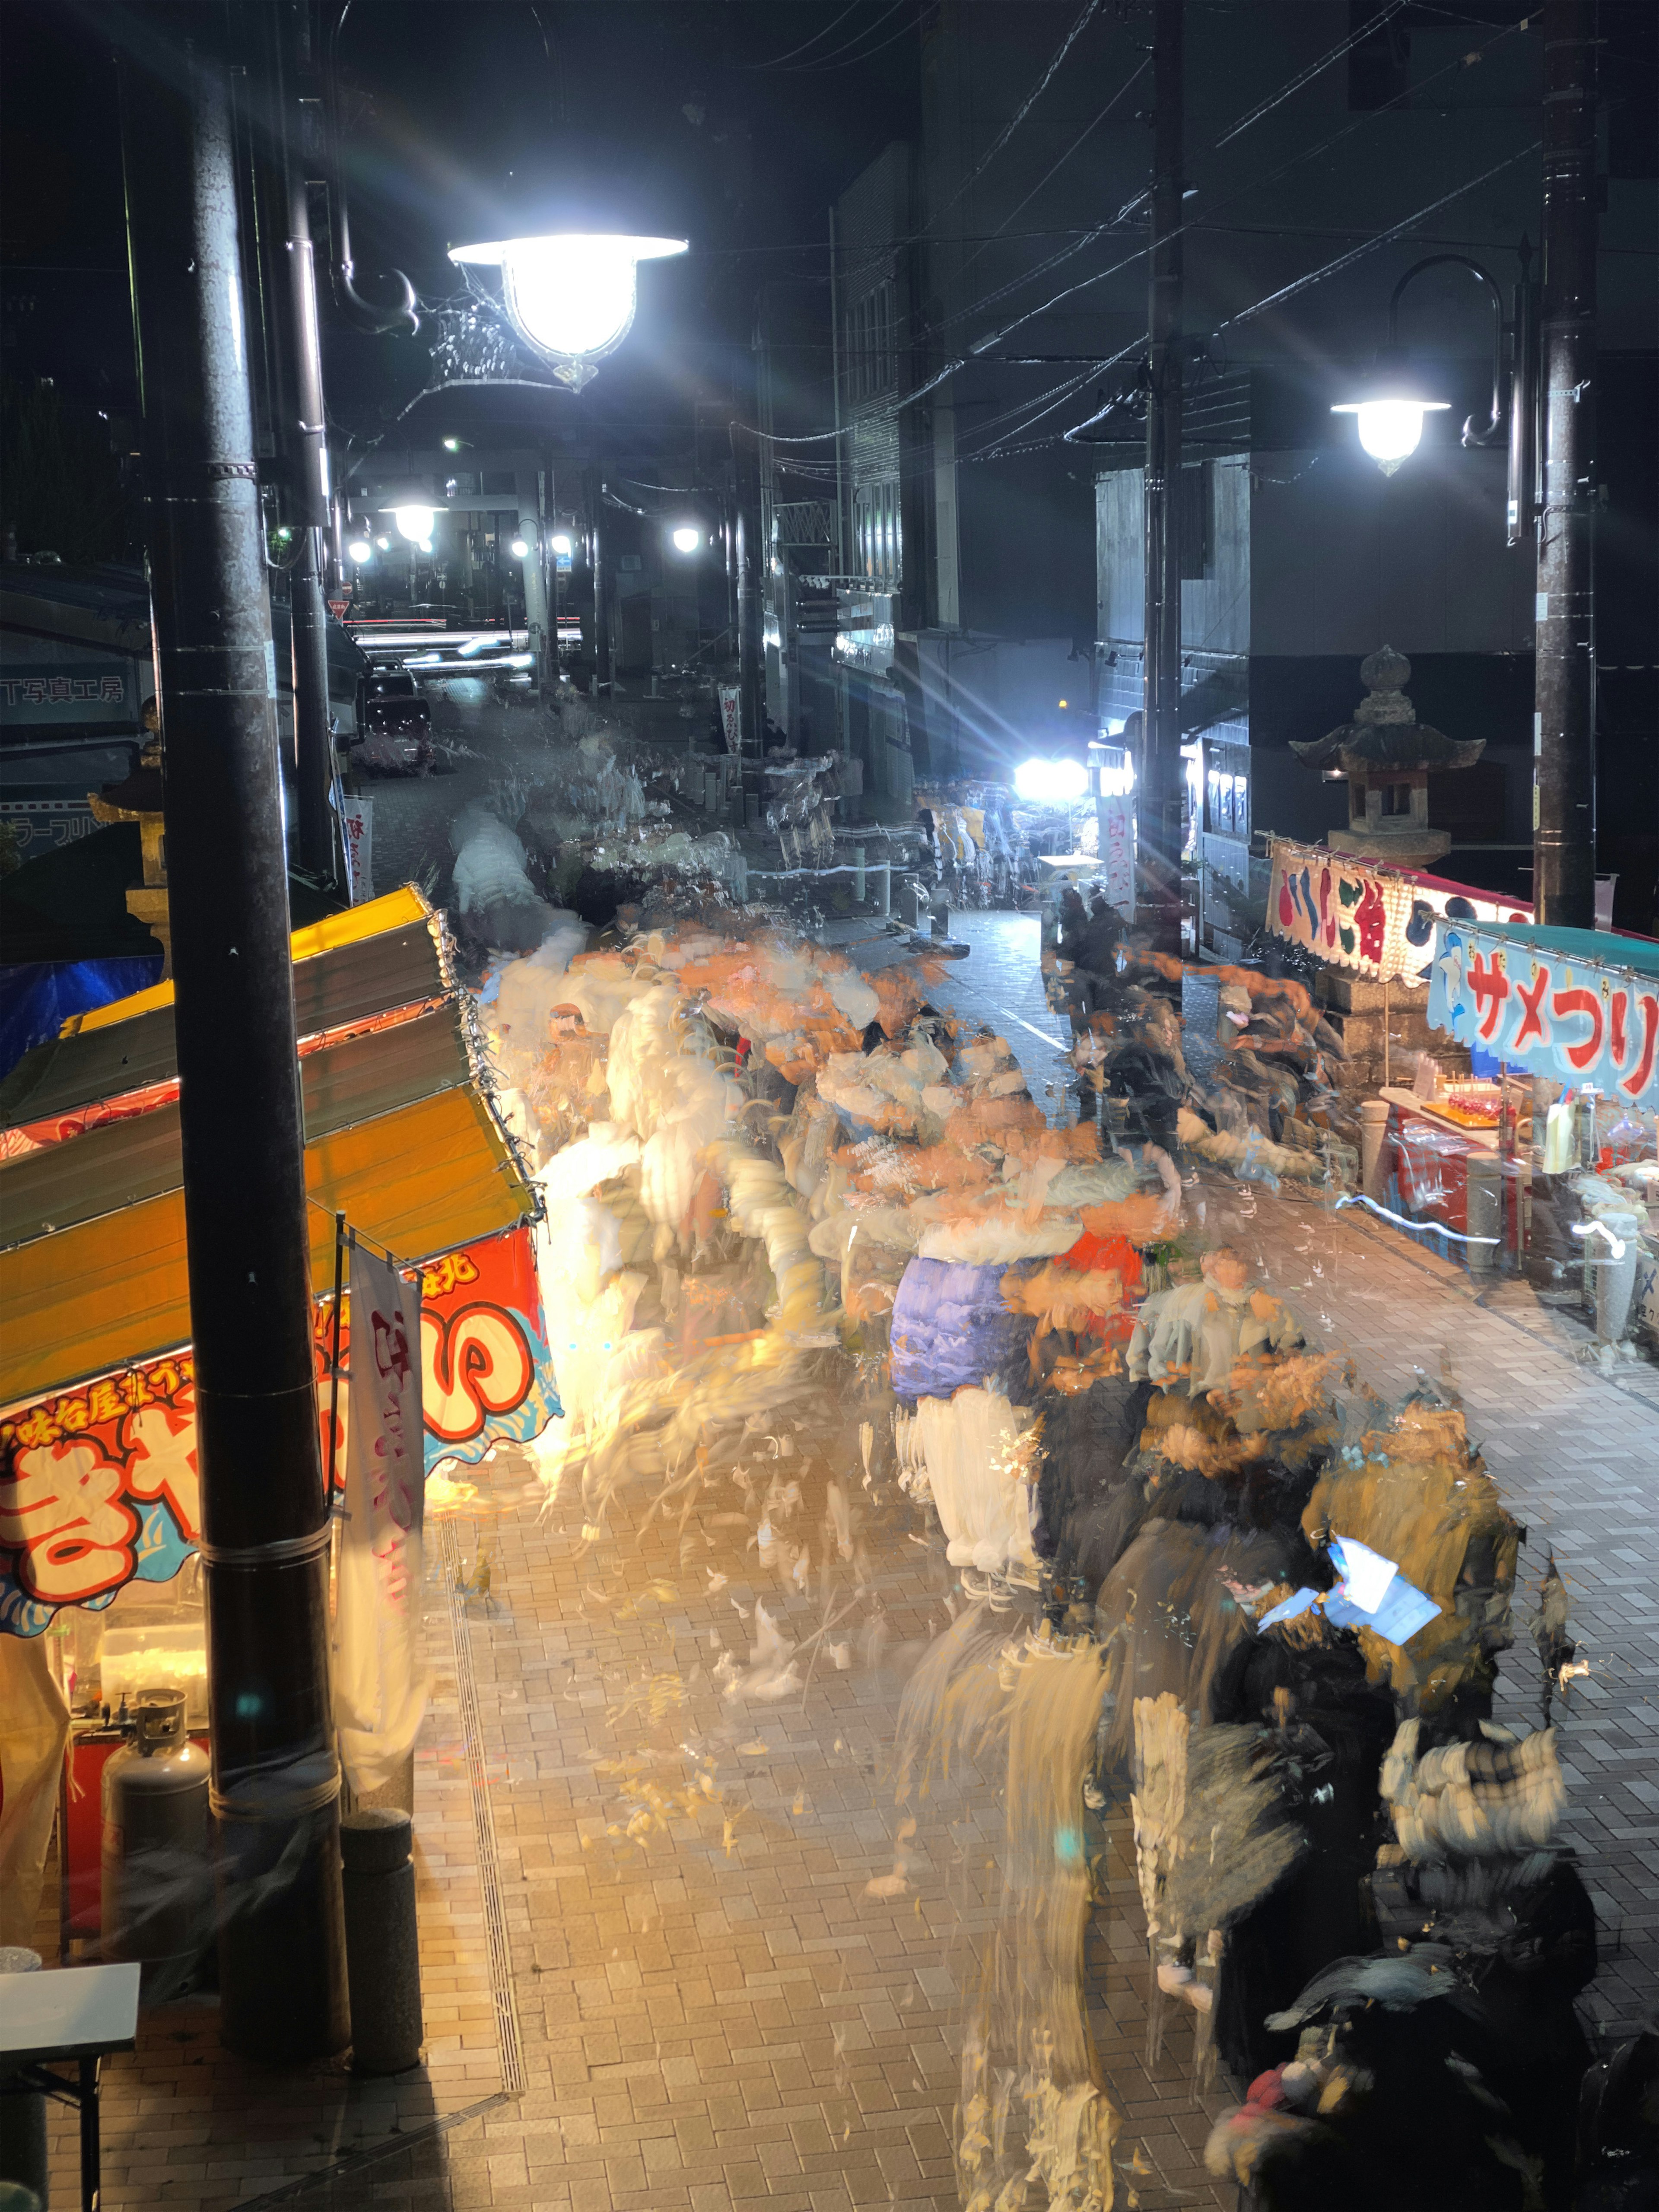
(709, 2007)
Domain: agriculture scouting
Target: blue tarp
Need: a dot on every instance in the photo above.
(36, 999)
(950, 1329)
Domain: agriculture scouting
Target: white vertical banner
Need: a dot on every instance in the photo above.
(356, 835)
(380, 1670)
(730, 696)
(1117, 851)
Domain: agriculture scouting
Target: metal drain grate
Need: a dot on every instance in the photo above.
(484, 1823)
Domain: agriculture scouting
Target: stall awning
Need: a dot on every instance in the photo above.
(353, 966)
(1578, 1006)
(400, 1137)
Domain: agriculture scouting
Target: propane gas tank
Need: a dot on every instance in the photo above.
(157, 1880)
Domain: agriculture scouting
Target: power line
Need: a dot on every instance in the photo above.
(1125, 86)
(1385, 238)
(778, 60)
(827, 61)
(1313, 70)
(1090, 9)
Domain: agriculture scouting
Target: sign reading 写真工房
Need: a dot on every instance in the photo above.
(1568, 1010)
(98, 1485)
(1378, 922)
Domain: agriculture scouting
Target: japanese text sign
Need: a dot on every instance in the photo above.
(1552, 1014)
(98, 1484)
(1378, 921)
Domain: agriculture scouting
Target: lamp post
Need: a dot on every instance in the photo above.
(265, 1527)
(1564, 698)
(1161, 783)
(1390, 404)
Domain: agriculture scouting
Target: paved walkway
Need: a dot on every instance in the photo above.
(655, 1975)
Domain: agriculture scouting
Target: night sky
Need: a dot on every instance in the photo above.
(461, 121)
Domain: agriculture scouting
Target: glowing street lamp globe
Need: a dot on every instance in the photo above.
(1389, 411)
(571, 296)
(360, 550)
(415, 520)
(520, 549)
(687, 539)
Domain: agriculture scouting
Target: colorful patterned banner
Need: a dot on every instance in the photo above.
(1567, 1018)
(1378, 921)
(98, 1484)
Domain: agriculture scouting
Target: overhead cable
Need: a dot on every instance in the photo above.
(1384, 238)
(1313, 70)
(1059, 164)
(1091, 9)
(777, 60)
(826, 62)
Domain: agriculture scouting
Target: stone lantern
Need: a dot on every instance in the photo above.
(1386, 754)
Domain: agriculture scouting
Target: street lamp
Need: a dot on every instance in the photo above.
(570, 295)
(360, 549)
(560, 544)
(1390, 413)
(1391, 404)
(520, 549)
(687, 539)
(415, 519)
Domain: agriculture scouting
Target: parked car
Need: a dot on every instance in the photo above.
(395, 723)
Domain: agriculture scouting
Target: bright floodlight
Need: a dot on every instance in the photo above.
(562, 546)
(360, 549)
(571, 297)
(520, 547)
(415, 523)
(1051, 782)
(687, 538)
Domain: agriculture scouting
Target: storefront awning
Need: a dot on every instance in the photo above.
(1578, 1006)
(400, 1137)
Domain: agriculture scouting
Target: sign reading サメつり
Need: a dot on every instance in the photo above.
(1378, 921)
(98, 1485)
(1552, 1013)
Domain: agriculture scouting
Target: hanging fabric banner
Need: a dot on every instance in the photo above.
(1117, 852)
(1378, 922)
(379, 1673)
(486, 1370)
(1532, 998)
(98, 1483)
(731, 700)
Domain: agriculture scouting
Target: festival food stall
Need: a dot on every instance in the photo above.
(98, 1501)
(1576, 1012)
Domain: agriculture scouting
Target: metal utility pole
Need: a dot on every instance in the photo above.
(602, 670)
(750, 579)
(264, 1541)
(1564, 722)
(1159, 810)
(273, 38)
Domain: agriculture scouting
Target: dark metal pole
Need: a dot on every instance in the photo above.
(264, 1546)
(1161, 764)
(603, 671)
(274, 37)
(1563, 727)
(751, 666)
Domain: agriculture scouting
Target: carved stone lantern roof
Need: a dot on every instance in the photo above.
(1385, 740)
